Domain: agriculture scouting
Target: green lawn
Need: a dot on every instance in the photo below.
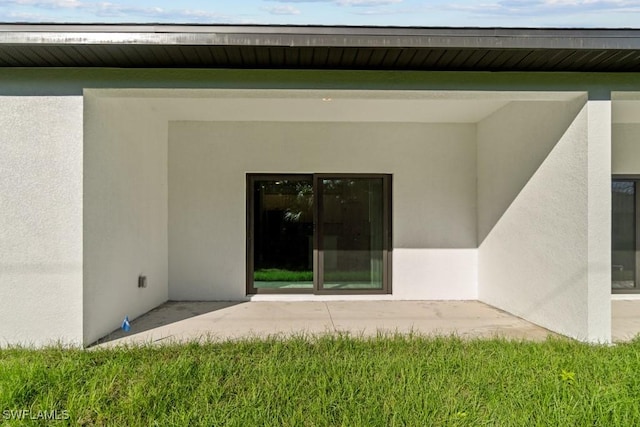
(282, 275)
(330, 381)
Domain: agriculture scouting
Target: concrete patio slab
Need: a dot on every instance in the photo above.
(625, 319)
(188, 321)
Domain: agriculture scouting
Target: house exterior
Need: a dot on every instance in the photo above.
(146, 163)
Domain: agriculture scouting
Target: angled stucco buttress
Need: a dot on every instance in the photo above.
(125, 212)
(41, 220)
(544, 220)
(599, 220)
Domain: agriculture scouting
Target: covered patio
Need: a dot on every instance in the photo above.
(176, 321)
(206, 320)
(168, 192)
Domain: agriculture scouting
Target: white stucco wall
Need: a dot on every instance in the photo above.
(599, 150)
(512, 144)
(125, 212)
(41, 220)
(542, 257)
(625, 148)
(434, 185)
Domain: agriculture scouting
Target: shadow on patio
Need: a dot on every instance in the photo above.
(187, 321)
(154, 322)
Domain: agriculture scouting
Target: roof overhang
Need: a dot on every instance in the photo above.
(319, 47)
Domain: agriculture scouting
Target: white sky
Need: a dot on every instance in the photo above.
(489, 13)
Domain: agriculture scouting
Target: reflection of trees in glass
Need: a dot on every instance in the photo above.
(625, 187)
(301, 206)
(344, 190)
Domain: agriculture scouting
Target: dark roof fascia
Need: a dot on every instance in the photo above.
(318, 36)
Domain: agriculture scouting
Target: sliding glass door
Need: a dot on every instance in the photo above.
(281, 232)
(351, 232)
(318, 233)
(624, 235)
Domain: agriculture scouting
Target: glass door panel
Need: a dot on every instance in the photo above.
(282, 228)
(351, 233)
(318, 233)
(623, 236)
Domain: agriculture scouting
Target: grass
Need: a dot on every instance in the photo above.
(330, 381)
(282, 275)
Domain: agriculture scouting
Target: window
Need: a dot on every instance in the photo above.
(322, 233)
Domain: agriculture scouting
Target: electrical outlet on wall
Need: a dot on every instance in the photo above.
(142, 281)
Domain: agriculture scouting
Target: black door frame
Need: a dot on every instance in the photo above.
(251, 178)
(636, 179)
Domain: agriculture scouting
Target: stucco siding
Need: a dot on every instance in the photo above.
(599, 217)
(125, 213)
(534, 259)
(41, 220)
(434, 197)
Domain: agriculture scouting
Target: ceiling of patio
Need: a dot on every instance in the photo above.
(325, 106)
(625, 107)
